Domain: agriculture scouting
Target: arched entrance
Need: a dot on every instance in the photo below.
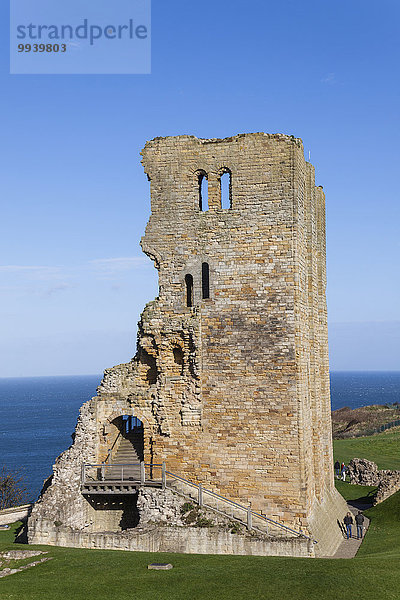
(132, 430)
(127, 449)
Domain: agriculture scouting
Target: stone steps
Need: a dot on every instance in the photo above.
(126, 455)
(224, 507)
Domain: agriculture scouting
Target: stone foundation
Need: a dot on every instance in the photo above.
(325, 523)
(178, 539)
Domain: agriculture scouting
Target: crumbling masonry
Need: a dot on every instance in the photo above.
(231, 375)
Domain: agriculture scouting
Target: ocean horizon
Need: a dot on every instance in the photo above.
(38, 414)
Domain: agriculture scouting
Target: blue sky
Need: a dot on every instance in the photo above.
(75, 200)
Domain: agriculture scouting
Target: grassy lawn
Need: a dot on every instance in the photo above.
(110, 575)
(382, 448)
(362, 493)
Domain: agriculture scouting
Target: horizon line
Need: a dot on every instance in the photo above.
(101, 374)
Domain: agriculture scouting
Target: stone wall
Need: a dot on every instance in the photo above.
(61, 501)
(325, 523)
(180, 539)
(165, 523)
(15, 513)
(232, 390)
(366, 472)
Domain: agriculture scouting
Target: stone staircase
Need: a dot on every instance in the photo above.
(228, 508)
(127, 471)
(128, 455)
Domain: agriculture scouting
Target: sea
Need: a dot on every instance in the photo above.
(38, 415)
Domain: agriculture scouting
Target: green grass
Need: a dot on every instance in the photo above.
(113, 575)
(382, 448)
(385, 541)
(362, 493)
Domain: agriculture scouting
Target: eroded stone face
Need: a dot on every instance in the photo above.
(231, 374)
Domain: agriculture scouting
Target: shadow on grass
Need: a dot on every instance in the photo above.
(21, 529)
(356, 494)
(21, 534)
(364, 502)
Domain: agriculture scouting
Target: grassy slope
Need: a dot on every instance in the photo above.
(382, 448)
(362, 493)
(385, 541)
(111, 575)
(364, 419)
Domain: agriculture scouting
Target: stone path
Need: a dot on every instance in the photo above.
(349, 548)
(16, 555)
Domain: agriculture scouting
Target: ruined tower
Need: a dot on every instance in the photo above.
(230, 382)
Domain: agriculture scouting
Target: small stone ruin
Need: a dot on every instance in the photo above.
(366, 472)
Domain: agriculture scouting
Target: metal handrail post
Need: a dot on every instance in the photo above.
(249, 518)
(142, 472)
(200, 495)
(102, 472)
(164, 476)
(122, 472)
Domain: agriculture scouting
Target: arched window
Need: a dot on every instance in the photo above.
(203, 190)
(205, 280)
(225, 182)
(189, 289)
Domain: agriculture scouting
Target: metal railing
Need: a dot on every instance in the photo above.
(379, 429)
(106, 472)
(252, 520)
(110, 450)
(228, 508)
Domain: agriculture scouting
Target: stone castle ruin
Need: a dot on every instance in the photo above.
(226, 403)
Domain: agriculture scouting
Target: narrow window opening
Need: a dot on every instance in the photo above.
(189, 290)
(149, 366)
(178, 360)
(226, 189)
(205, 280)
(203, 191)
(178, 355)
